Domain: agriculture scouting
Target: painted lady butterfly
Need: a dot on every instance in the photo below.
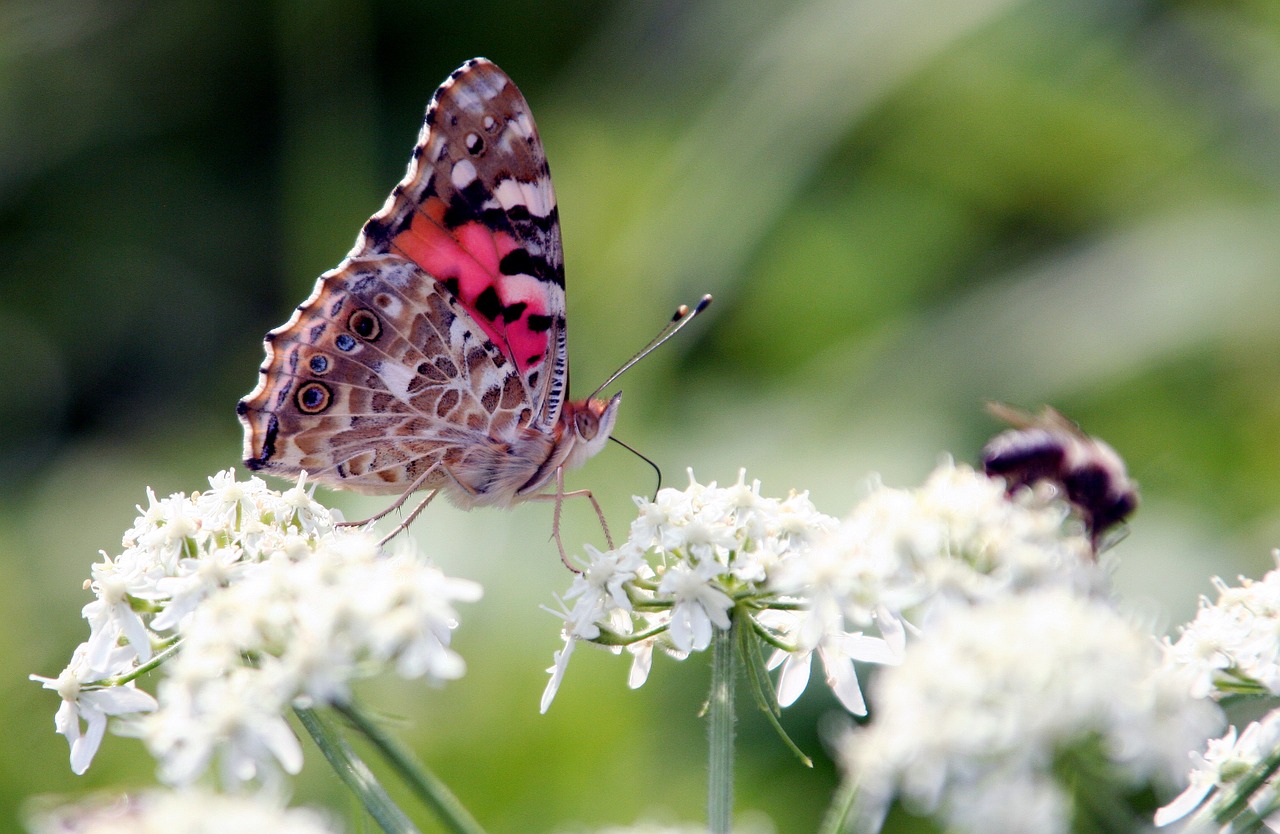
(434, 356)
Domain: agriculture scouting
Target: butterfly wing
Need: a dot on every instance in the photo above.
(477, 211)
(441, 337)
(379, 375)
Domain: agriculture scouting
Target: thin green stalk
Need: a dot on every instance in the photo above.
(1237, 800)
(837, 817)
(170, 649)
(425, 784)
(720, 732)
(758, 682)
(352, 770)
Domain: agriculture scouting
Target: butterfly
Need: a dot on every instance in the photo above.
(434, 356)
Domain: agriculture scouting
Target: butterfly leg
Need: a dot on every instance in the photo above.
(422, 505)
(558, 497)
(399, 502)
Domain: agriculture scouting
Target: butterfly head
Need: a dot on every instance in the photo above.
(589, 424)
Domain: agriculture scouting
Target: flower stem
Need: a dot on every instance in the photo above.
(352, 770)
(425, 784)
(720, 732)
(837, 817)
(1236, 801)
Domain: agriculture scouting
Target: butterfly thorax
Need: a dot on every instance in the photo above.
(504, 472)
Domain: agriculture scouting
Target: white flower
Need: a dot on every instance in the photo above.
(1223, 763)
(111, 616)
(957, 539)
(838, 651)
(82, 716)
(694, 557)
(273, 606)
(238, 715)
(180, 812)
(697, 604)
(991, 696)
(229, 503)
(556, 670)
(1231, 644)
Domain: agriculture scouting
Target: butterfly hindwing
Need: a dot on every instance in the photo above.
(379, 375)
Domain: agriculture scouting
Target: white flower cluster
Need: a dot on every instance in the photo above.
(267, 604)
(903, 556)
(180, 812)
(692, 556)
(845, 591)
(1224, 763)
(958, 539)
(1231, 647)
(970, 726)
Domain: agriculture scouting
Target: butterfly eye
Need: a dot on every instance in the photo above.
(587, 424)
(365, 324)
(313, 398)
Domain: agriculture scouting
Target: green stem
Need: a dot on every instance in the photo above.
(758, 682)
(425, 784)
(1237, 800)
(769, 637)
(170, 648)
(720, 732)
(352, 770)
(837, 817)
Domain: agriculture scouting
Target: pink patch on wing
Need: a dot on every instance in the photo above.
(470, 254)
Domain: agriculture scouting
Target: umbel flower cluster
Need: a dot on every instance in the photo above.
(806, 583)
(250, 601)
(1231, 651)
(1004, 654)
(979, 721)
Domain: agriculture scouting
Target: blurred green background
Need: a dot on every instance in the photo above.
(902, 208)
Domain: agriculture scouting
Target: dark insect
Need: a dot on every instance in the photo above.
(1049, 448)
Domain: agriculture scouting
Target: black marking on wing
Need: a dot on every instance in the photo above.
(488, 304)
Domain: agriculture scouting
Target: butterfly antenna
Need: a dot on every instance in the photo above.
(682, 317)
(635, 452)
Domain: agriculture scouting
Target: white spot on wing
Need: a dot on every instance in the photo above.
(538, 197)
(466, 98)
(463, 174)
(473, 91)
(393, 307)
(397, 378)
(525, 288)
(523, 124)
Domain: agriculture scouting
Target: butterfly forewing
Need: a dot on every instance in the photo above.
(477, 211)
